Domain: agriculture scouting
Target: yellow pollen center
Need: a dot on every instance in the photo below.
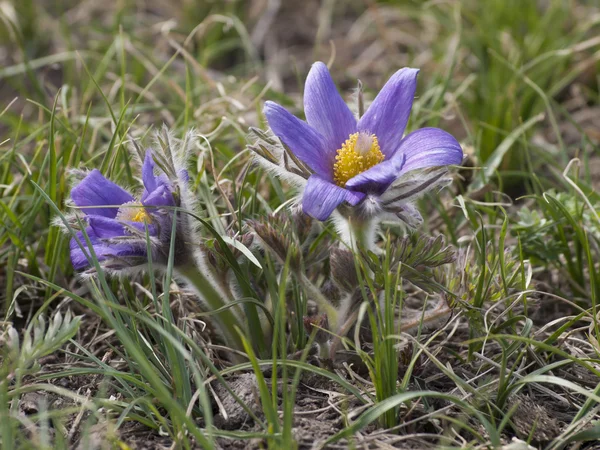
(133, 212)
(141, 216)
(360, 152)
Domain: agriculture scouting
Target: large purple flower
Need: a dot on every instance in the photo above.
(349, 159)
(117, 222)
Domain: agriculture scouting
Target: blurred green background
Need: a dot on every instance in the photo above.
(488, 67)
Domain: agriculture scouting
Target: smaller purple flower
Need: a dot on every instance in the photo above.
(118, 224)
(350, 161)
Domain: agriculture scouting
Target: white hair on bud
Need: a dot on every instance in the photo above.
(280, 171)
(278, 167)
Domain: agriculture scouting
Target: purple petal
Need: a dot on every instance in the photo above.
(321, 197)
(79, 257)
(379, 177)
(157, 190)
(325, 109)
(141, 226)
(95, 190)
(103, 227)
(148, 177)
(159, 197)
(183, 175)
(429, 147)
(306, 143)
(388, 114)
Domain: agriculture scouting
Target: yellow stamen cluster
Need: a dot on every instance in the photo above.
(359, 153)
(133, 212)
(141, 216)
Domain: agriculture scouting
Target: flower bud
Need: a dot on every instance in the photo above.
(343, 270)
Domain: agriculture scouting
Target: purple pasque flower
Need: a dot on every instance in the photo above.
(118, 224)
(355, 161)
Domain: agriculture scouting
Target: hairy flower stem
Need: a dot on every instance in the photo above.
(341, 333)
(214, 299)
(357, 232)
(361, 233)
(324, 354)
